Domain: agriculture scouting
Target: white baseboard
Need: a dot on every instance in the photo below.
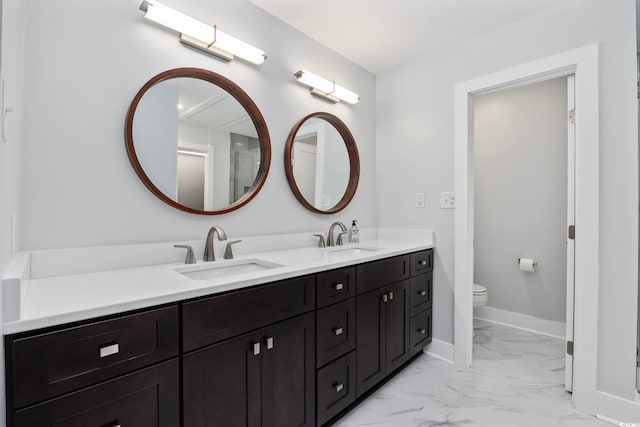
(440, 350)
(521, 321)
(617, 410)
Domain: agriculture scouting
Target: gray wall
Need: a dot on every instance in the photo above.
(520, 190)
(85, 61)
(415, 139)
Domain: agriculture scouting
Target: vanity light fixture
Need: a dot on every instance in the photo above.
(201, 36)
(326, 89)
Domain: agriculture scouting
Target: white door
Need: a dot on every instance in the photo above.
(571, 171)
(304, 169)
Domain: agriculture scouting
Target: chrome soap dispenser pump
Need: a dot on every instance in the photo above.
(354, 233)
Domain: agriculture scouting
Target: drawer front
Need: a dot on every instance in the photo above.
(421, 292)
(420, 331)
(376, 274)
(335, 286)
(421, 262)
(335, 331)
(336, 387)
(50, 364)
(146, 398)
(214, 319)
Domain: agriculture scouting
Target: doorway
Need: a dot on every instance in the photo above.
(523, 205)
(583, 63)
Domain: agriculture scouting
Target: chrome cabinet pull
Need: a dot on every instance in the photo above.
(109, 349)
(269, 343)
(337, 331)
(338, 286)
(256, 348)
(422, 293)
(385, 298)
(113, 423)
(391, 296)
(338, 387)
(423, 262)
(422, 331)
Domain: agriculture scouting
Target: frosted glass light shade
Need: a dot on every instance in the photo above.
(200, 35)
(326, 87)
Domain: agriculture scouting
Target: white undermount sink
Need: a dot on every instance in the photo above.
(217, 269)
(354, 250)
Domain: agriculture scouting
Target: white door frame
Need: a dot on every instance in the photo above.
(583, 62)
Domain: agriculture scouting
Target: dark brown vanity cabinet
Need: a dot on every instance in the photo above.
(293, 353)
(264, 378)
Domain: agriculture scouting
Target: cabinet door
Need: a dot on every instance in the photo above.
(397, 325)
(146, 398)
(221, 384)
(335, 331)
(288, 373)
(370, 347)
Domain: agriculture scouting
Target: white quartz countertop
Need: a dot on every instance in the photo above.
(51, 301)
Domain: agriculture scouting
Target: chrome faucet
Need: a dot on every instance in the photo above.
(208, 245)
(330, 240)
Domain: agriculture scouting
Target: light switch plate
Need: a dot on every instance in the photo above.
(325, 199)
(447, 200)
(419, 200)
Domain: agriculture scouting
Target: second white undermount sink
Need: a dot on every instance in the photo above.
(218, 269)
(354, 250)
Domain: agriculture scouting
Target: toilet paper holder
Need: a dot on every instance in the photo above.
(535, 263)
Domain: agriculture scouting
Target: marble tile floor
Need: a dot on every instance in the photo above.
(517, 379)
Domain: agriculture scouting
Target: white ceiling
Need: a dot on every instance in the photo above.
(380, 34)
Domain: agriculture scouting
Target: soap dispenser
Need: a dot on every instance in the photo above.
(354, 233)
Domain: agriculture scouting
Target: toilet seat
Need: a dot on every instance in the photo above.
(479, 289)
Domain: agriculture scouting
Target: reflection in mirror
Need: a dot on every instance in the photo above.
(195, 145)
(322, 164)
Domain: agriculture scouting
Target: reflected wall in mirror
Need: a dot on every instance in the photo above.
(198, 141)
(322, 163)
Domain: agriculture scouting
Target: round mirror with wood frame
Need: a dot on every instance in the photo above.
(322, 163)
(198, 141)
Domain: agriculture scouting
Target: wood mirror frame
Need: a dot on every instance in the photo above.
(244, 100)
(354, 162)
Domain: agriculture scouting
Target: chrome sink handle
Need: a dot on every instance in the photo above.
(209, 255)
(190, 258)
(340, 242)
(228, 253)
(321, 241)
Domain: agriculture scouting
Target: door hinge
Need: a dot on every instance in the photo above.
(572, 115)
(570, 348)
(572, 232)
(638, 357)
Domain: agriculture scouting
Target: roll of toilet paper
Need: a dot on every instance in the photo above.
(527, 264)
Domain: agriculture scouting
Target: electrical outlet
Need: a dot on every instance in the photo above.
(419, 200)
(447, 200)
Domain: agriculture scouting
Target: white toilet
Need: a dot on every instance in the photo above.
(480, 296)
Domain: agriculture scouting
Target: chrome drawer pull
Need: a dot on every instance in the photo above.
(112, 424)
(422, 331)
(109, 350)
(423, 262)
(385, 298)
(390, 296)
(269, 343)
(338, 286)
(422, 293)
(338, 387)
(337, 331)
(256, 348)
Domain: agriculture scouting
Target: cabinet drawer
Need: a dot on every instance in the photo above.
(421, 262)
(421, 292)
(50, 364)
(335, 331)
(374, 275)
(148, 398)
(336, 387)
(420, 331)
(214, 319)
(335, 286)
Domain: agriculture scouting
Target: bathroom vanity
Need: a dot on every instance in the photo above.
(295, 346)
